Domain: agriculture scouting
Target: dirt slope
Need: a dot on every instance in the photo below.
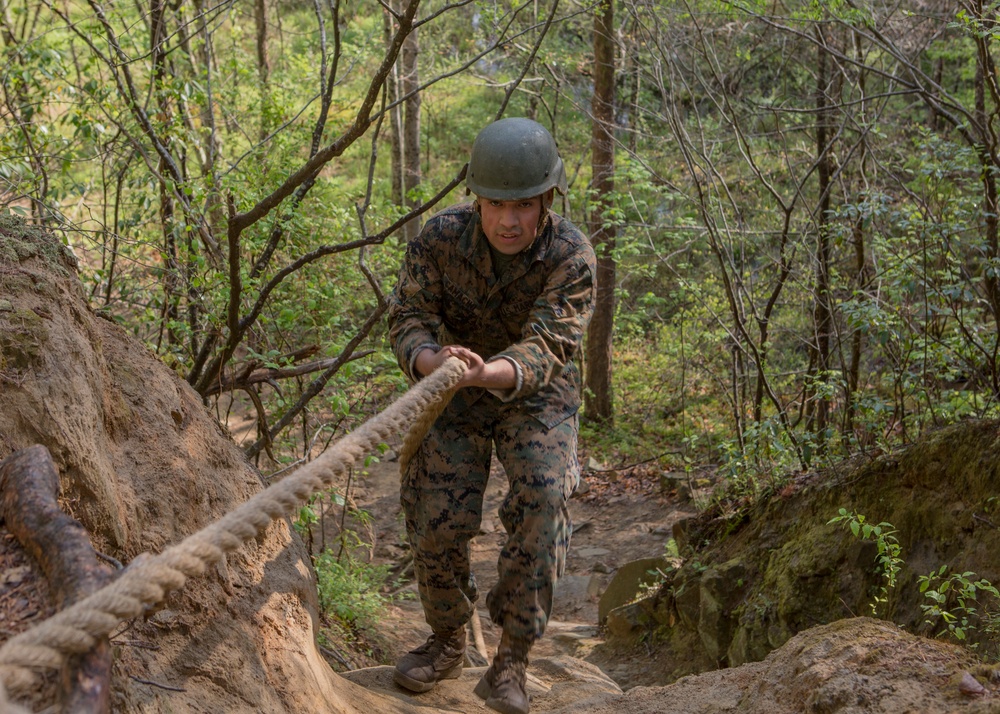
(143, 464)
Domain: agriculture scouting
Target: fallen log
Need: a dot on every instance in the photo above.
(29, 486)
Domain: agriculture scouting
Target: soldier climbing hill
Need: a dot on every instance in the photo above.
(507, 286)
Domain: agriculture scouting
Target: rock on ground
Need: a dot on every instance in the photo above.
(853, 666)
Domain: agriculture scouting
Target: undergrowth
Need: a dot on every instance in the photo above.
(353, 597)
(351, 590)
(955, 605)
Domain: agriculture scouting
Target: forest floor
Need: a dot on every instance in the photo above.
(852, 667)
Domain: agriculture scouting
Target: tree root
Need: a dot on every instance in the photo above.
(29, 486)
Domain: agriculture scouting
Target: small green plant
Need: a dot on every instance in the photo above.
(306, 517)
(671, 552)
(673, 559)
(953, 600)
(310, 515)
(351, 590)
(888, 560)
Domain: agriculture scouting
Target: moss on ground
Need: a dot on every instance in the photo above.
(20, 241)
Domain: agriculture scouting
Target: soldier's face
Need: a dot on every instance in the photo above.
(510, 226)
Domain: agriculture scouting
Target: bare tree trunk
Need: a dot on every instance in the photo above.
(171, 273)
(986, 150)
(395, 118)
(860, 267)
(823, 314)
(633, 72)
(263, 66)
(411, 129)
(933, 116)
(598, 396)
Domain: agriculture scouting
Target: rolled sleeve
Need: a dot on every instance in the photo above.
(504, 394)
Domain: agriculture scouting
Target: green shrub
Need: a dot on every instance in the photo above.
(351, 590)
(953, 600)
(888, 558)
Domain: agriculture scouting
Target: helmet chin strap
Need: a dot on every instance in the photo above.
(543, 216)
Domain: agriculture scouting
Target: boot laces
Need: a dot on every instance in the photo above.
(438, 645)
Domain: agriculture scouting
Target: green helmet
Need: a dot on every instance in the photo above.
(515, 158)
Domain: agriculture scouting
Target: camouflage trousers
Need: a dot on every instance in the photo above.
(442, 496)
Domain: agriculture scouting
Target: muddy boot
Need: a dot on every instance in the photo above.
(440, 657)
(503, 684)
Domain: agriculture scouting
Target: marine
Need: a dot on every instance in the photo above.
(506, 285)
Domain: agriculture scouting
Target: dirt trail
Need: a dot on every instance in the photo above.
(609, 530)
(616, 519)
(852, 666)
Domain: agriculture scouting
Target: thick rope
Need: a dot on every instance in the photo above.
(149, 578)
(411, 443)
(415, 435)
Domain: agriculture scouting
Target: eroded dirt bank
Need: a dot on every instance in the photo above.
(142, 464)
(754, 577)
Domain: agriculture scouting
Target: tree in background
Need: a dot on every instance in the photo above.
(598, 398)
(408, 72)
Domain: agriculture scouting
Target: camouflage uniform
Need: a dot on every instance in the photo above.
(535, 316)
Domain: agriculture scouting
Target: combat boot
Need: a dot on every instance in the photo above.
(503, 684)
(440, 657)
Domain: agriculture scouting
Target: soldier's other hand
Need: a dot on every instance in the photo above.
(472, 360)
(498, 374)
(428, 360)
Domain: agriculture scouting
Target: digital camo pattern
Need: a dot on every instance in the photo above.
(536, 314)
(442, 495)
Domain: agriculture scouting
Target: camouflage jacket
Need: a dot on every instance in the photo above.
(535, 315)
